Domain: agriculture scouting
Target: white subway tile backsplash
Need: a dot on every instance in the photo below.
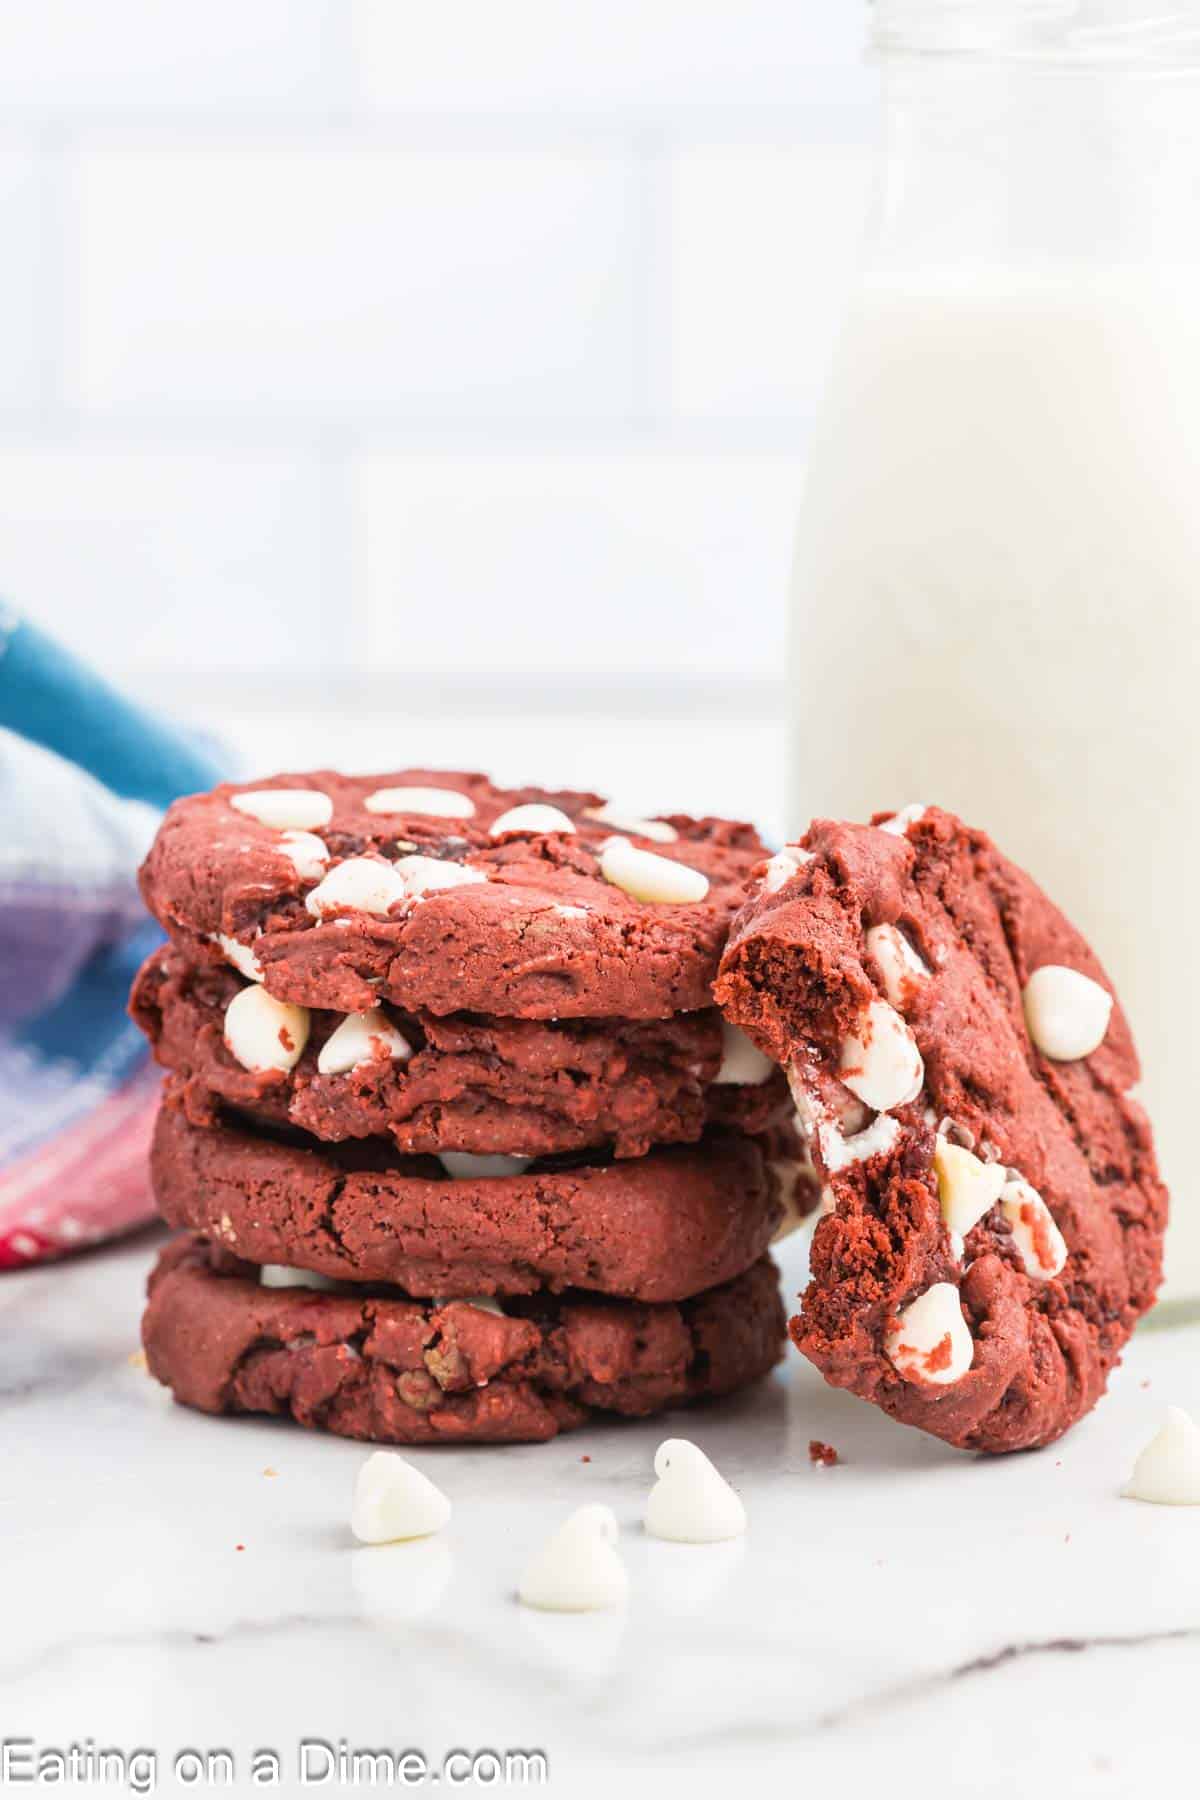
(22, 238)
(560, 55)
(763, 245)
(103, 56)
(148, 559)
(359, 284)
(633, 564)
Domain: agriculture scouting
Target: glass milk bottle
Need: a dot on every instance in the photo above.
(997, 581)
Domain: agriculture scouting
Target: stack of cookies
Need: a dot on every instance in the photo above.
(459, 1145)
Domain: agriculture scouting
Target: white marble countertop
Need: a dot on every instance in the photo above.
(915, 1618)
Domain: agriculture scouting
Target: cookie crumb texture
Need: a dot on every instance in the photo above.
(529, 928)
(392, 1370)
(800, 974)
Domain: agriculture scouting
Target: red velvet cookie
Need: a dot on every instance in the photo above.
(393, 1370)
(964, 1073)
(440, 893)
(519, 1086)
(661, 1227)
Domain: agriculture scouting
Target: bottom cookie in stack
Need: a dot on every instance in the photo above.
(568, 1287)
(382, 1366)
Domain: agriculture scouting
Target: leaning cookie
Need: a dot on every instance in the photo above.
(464, 1082)
(995, 1215)
(662, 1227)
(393, 1370)
(442, 893)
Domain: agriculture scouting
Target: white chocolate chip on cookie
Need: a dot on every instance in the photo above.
(929, 1341)
(306, 853)
(880, 1062)
(1067, 1013)
(429, 874)
(1041, 1244)
(539, 821)
(655, 879)
(901, 967)
(361, 1038)
(967, 1187)
(360, 884)
(240, 955)
(783, 865)
(624, 818)
(294, 809)
(277, 1275)
(435, 803)
(264, 1033)
(467, 1165)
(742, 1063)
(898, 824)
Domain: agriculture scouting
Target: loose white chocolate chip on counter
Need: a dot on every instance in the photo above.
(902, 969)
(394, 1501)
(1067, 1013)
(967, 1187)
(536, 820)
(466, 1165)
(1167, 1473)
(654, 879)
(1041, 1244)
(578, 1569)
(742, 1063)
(361, 1038)
(294, 809)
(306, 852)
(433, 803)
(360, 884)
(880, 1062)
(929, 1341)
(898, 824)
(691, 1502)
(624, 818)
(429, 874)
(240, 955)
(264, 1033)
(278, 1275)
(782, 866)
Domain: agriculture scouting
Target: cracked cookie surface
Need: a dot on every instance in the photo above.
(994, 1215)
(392, 1370)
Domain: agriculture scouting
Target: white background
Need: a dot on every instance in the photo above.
(388, 353)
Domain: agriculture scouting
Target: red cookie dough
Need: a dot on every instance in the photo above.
(544, 936)
(798, 976)
(392, 1370)
(659, 1228)
(518, 1086)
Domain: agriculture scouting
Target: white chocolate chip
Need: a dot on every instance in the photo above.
(898, 963)
(967, 1187)
(240, 955)
(1041, 1244)
(393, 1500)
(359, 1039)
(436, 803)
(930, 1341)
(465, 1165)
(691, 1502)
(294, 809)
(264, 1033)
(578, 1570)
(899, 822)
(428, 874)
(307, 854)
(485, 1303)
(742, 1063)
(796, 1177)
(276, 1275)
(783, 865)
(1067, 1013)
(880, 1062)
(360, 884)
(654, 879)
(828, 1202)
(624, 818)
(536, 820)
(839, 1152)
(1167, 1472)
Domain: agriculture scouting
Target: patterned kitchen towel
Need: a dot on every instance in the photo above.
(84, 776)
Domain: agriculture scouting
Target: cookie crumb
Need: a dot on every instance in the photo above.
(270, 1471)
(239, 1546)
(822, 1456)
(585, 1459)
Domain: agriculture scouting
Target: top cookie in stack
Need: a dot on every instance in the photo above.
(514, 988)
